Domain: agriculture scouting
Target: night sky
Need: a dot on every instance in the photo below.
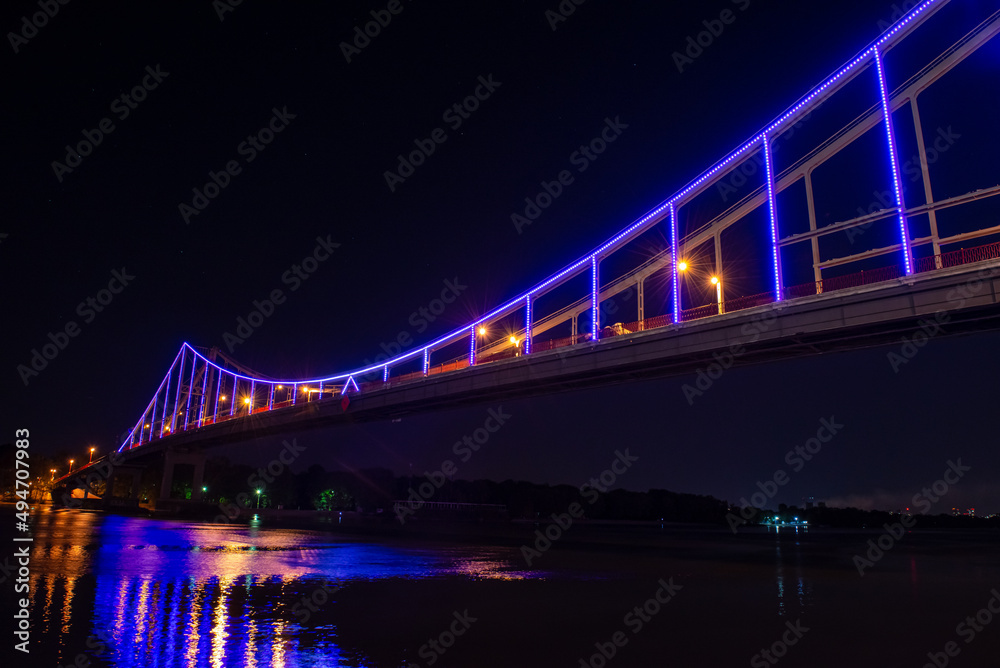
(212, 76)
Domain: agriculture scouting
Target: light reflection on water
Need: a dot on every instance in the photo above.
(170, 594)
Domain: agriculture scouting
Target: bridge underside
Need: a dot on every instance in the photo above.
(964, 300)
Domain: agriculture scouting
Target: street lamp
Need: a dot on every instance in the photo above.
(682, 266)
(71, 465)
(517, 345)
(258, 499)
(53, 472)
(718, 292)
(91, 456)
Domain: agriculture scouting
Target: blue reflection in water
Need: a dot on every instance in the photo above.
(206, 595)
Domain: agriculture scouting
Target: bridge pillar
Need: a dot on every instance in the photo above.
(172, 458)
(928, 193)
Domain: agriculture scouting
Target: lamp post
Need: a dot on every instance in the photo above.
(53, 472)
(71, 465)
(516, 344)
(258, 499)
(91, 456)
(718, 293)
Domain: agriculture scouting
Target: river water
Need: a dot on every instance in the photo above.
(107, 590)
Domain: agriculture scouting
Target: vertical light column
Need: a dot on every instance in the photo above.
(295, 393)
(595, 307)
(166, 401)
(177, 394)
(772, 204)
(427, 360)
(270, 396)
(675, 289)
(385, 373)
(187, 408)
(527, 325)
(232, 398)
(897, 184)
(204, 388)
(320, 395)
(218, 390)
(472, 345)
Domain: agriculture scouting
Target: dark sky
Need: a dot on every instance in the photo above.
(222, 76)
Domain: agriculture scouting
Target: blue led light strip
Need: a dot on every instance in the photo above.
(674, 274)
(527, 325)
(472, 348)
(772, 205)
(904, 232)
(595, 305)
(187, 408)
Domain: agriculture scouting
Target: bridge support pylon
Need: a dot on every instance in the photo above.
(172, 458)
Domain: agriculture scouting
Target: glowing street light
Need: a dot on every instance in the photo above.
(482, 331)
(53, 472)
(91, 456)
(718, 292)
(71, 465)
(258, 498)
(682, 266)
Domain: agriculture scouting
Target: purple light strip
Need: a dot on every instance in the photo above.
(253, 388)
(270, 397)
(177, 394)
(166, 396)
(897, 186)
(427, 360)
(675, 274)
(772, 204)
(347, 385)
(527, 325)
(385, 373)
(201, 404)
(218, 391)
(472, 347)
(295, 393)
(653, 216)
(187, 409)
(595, 305)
